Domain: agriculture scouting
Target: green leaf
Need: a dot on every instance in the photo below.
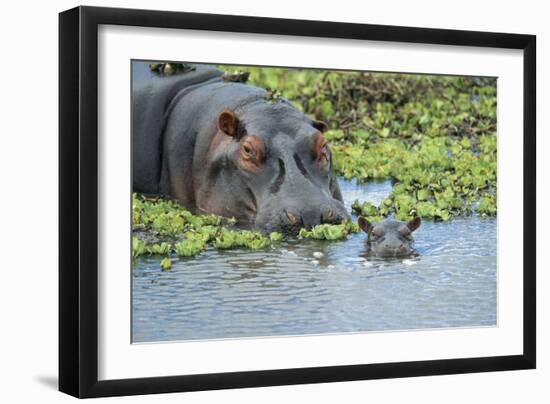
(165, 264)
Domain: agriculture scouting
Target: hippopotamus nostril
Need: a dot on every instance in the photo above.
(329, 216)
(291, 217)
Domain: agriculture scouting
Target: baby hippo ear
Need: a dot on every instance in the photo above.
(364, 224)
(229, 124)
(414, 224)
(319, 125)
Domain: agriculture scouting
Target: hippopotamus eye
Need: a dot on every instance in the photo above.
(247, 152)
(324, 151)
(252, 152)
(324, 155)
(320, 150)
(377, 232)
(405, 232)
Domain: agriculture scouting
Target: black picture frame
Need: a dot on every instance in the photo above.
(78, 201)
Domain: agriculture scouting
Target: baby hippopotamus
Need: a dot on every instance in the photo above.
(389, 238)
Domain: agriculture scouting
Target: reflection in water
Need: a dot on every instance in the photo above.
(315, 287)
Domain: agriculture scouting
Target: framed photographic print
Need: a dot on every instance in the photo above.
(251, 201)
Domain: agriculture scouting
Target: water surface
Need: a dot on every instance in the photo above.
(306, 287)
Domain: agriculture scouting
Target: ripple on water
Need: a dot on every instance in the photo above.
(313, 287)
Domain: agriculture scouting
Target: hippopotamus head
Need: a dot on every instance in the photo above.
(271, 167)
(389, 238)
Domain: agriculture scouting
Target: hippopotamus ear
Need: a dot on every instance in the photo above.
(229, 124)
(319, 125)
(414, 224)
(364, 224)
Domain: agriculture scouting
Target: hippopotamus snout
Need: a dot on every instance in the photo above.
(291, 219)
(395, 248)
(312, 217)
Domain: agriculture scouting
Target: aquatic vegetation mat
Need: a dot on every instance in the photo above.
(163, 227)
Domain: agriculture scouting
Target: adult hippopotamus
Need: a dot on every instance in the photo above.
(233, 150)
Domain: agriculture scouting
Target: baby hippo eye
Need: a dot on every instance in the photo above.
(377, 232)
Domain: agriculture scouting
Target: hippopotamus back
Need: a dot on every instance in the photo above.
(151, 103)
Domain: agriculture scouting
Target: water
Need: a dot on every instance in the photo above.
(317, 287)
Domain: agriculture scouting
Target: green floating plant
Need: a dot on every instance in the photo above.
(487, 206)
(330, 231)
(138, 247)
(165, 264)
(275, 236)
(368, 210)
(190, 246)
(245, 238)
(186, 234)
(160, 249)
